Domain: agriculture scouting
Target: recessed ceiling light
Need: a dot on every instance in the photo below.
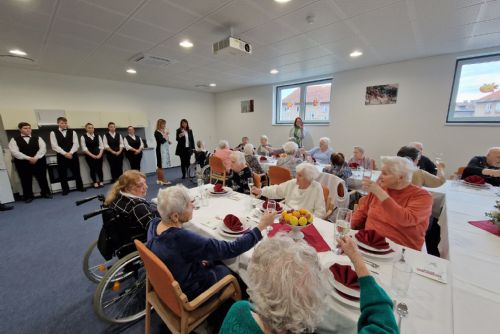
(186, 44)
(356, 53)
(18, 52)
(131, 71)
(213, 84)
(274, 71)
(282, 1)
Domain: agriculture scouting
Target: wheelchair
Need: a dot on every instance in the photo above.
(113, 262)
(199, 168)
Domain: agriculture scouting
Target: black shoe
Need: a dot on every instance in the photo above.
(49, 196)
(4, 207)
(28, 200)
(65, 192)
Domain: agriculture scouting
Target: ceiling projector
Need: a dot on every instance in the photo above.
(232, 46)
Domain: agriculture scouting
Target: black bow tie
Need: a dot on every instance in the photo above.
(62, 130)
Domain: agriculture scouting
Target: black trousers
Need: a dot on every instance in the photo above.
(115, 165)
(185, 161)
(135, 160)
(26, 172)
(95, 168)
(73, 164)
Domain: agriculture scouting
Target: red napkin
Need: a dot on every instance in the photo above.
(262, 158)
(487, 226)
(233, 223)
(354, 165)
(475, 179)
(345, 276)
(372, 239)
(218, 188)
(278, 206)
(311, 236)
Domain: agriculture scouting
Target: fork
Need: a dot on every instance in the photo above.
(371, 264)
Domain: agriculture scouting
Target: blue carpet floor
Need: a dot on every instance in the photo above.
(43, 288)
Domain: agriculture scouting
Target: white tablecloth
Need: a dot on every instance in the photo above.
(429, 302)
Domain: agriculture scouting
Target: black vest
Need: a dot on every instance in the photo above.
(113, 143)
(66, 143)
(92, 144)
(134, 143)
(30, 148)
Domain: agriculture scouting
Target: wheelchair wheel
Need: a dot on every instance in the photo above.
(205, 173)
(94, 265)
(120, 297)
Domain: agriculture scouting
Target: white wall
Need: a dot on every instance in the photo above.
(28, 90)
(419, 114)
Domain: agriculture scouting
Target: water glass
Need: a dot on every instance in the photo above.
(367, 174)
(204, 197)
(342, 225)
(250, 184)
(271, 206)
(401, 277)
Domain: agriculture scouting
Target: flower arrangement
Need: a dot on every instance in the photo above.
(495, 214)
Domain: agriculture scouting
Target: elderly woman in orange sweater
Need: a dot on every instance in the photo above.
(394, 207)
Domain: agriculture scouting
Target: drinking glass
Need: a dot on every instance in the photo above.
(271, 206)
(342, 225)
(250, 184)
(401, 277)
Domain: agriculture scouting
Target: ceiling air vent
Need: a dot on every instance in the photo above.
(149, 60)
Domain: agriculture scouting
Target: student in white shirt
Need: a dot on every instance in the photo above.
(65, 142)
(133, 148)
(93, 148)
(29, 157)
(113, 144)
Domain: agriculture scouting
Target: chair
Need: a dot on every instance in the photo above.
(460, 171)
(165, 295)
(217, 170)
(328, 202)
(257, 181)
(278, 175)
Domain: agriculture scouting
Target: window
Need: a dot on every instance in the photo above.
(476, 91)
(497, 107)
(309, 101)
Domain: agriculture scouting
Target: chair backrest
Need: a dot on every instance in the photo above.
(460, 170)
(256, 180)
(340, 190)
(216, 165)
(161, 279)
(278, 174)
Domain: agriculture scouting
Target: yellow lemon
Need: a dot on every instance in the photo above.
(296, 214)
(302, 221)
(283, 214)
(310, 218)
(294, 221)
(303, 211)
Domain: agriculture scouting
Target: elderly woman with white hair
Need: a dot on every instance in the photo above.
(264, 148)
(359, 159)
(303, 192)
(323, 152)
(281, 305)
(240, 173)
(394, 207)
(192, 258)
(289, 159)
(223, 152)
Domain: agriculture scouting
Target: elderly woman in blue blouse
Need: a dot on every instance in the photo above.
(322, 153)
(190, 257)
(289, 159)
(281, 305)
(264, 148)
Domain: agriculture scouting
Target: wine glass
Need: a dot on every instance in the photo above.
(250, 184)
(271, 206)
(342, 225)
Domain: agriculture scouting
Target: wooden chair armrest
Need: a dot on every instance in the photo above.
(219, 286)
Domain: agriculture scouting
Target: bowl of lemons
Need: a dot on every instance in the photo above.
(297, 220)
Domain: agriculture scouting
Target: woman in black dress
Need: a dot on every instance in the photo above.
(162, 151)
(185, 145)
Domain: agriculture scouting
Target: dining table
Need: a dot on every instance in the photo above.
(429, 301)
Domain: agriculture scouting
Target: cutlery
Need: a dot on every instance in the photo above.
(371, 264)
(402, 310)
(374, 272)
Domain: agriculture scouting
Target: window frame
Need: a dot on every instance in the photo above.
(450, 118)
(302, 104)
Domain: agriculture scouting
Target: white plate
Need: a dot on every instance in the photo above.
(227, 230)
(377, 256)
(228, 235)
(226, 192)
(342, 288)
(371, 248)
(345, 301)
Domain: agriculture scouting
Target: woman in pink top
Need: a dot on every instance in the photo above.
(394, 207)
(224, 153)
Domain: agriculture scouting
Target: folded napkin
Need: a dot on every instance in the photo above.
(262, 158)
(233, 223)
(475, 179)
(372, 239)
(487, 226)
(311, 236)
(278, 206)
(354, 165)
(345, 276)
(218, 188)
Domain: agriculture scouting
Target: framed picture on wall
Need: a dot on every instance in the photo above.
(383, 94)
(247, 106)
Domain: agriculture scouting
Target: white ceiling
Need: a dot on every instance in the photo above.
(97, 38)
